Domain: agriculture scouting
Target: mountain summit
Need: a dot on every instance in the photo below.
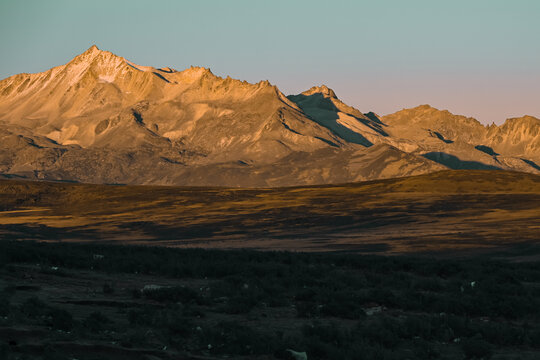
(102, 118)
(323, 90)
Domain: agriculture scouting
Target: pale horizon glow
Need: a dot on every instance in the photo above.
(475, 58)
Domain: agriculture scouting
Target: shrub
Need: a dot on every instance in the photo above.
(108, 288)
(179, 325)
(174, 294)
(135, 293)
(342, 304)
(428, 284)
(326, 333)
(4, 304)
(33, 307)
(534, 337)
(4, 351)
(380, 330)
(239, 305)
(229, 337)
(61, 320)
(96, 322)
(476, 348)
(135, 337)
(141, 317)
(307, 309)
(306, 294)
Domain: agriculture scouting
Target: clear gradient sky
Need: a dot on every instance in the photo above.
(479, 58)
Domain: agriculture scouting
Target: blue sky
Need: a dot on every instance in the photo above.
(478, 58)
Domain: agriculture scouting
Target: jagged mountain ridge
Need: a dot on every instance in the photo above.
(101, 118)
(513, 146)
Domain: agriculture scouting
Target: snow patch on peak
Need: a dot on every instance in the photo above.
(94, 56)
(106, 78)
(323, 89)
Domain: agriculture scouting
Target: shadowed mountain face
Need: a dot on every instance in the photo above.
(100, 118)
(322, 105)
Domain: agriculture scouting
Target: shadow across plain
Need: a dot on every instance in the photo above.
(449, 210)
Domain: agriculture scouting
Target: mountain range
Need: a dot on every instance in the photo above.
(103, 119)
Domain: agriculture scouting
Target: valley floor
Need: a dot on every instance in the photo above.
(444, 211)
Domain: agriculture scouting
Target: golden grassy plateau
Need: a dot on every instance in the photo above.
(447, 210)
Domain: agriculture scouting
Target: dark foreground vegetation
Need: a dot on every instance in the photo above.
(73, 301)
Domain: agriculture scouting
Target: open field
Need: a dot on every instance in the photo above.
(450, 210)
